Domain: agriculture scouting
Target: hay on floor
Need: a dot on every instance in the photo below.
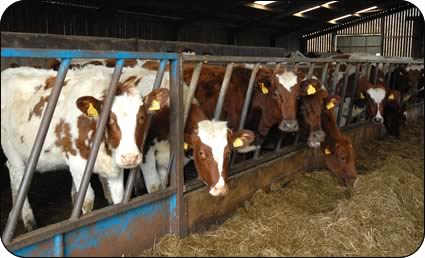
(314, 216)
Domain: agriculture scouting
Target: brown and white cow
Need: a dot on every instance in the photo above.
(24, 94)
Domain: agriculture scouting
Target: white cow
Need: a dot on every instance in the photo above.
(24, 95)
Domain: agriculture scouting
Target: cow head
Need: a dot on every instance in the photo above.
(285, 97)
(126, 123)
(393, 113)
(414, 72)
(312, 99)
(212, 143)
(340, 158)
(375, 105)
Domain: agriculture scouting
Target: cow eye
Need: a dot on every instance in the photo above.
(275, 94)
(141, 119)
(202, 154)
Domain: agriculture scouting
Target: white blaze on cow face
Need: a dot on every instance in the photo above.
(214, 135)
(377, 95)
(288, 80)
(126, 107)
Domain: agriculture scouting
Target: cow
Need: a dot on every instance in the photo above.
(394, 113)
(273, 99)
(337, 148)
(24, 94)
(312, 95)
(209, 142)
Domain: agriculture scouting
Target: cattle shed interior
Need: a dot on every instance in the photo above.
(373, 26)
(232, 35)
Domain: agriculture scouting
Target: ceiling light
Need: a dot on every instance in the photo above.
(339, 18)
(300, 14)
(367, 9)
(327, 5)
(264, 2)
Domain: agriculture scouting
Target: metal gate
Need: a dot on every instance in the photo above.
(136, 223)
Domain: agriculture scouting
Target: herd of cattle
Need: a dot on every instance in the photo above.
(282, 98)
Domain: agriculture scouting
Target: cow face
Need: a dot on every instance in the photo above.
(285, 97)
(375, 105)
(212, 143)
(414, 72)
(126, 123)
(312, 99)
(340, 158)
(393, 113)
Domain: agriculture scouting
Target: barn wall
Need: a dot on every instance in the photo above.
(69, 20)
(401, 32)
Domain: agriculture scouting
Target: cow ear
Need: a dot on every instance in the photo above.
(156, 100)
(242, 138)
(332, 101)
(187, 144)
(89, 105)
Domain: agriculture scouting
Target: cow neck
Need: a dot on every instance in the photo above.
(333, 134)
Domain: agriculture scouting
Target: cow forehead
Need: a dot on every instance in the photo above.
(212, 132)
(287, 79)
(377, 94)
(126, 105)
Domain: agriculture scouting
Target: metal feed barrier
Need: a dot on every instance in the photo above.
(137, 222)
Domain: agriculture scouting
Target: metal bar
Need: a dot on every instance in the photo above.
(368, 71)
(325, 73)
(353, 93)
(375, 76)
(192, 88)
(335, 78)
(9, 230)
(248, 96)
(132, 176)
(223, 91)
(58, 246)
(310, 70)
(342, 94)
(176, 138)
(97, 140)
(390, 66)
(54, 53)
(246, 103)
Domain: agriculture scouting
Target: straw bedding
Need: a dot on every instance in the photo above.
(314, 216)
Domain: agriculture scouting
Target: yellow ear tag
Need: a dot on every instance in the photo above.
(185, 146)
(264, 88)
(154, 105)
(237, 142)
(362, 96)
(391, 96)
(330, 105)
(91, 111)
(311, 90)
(327, 151)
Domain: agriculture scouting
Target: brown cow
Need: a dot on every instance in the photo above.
(274, 98)
(337, 148)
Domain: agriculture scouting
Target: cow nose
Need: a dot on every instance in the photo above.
(219, 191)
(130, 159)
(289, 125)
(378, 120)
(349, 181)
(318, 135)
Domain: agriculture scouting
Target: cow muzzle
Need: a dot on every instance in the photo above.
(315, 138)
(377, 120)
(219, 190)
(289, 125)
(129, 160)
